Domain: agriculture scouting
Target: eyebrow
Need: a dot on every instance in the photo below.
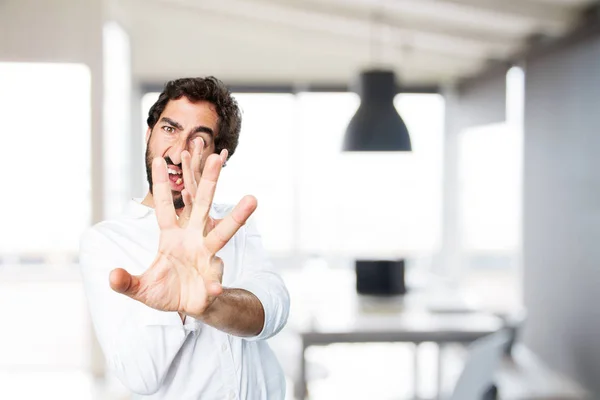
(174, 124)
(198, 129)
(203, 129)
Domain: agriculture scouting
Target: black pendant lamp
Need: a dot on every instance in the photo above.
(377, 126)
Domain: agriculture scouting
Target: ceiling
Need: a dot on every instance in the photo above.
(427, 42)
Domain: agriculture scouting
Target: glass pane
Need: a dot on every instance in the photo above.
(262, 165)
(369, 204)
(323, 118)
(45, 154)
(490, 194)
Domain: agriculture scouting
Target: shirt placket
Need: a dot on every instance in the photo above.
(228, 369)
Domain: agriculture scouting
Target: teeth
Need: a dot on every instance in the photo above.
(172, 171)
(178, 181)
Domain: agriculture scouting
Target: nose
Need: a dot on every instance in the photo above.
(175, 153)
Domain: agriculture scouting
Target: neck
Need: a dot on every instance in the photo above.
(148, 201)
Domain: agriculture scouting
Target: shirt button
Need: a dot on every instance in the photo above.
(224, 348)
(231, 395)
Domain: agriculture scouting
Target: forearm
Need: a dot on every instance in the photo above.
(237, 312)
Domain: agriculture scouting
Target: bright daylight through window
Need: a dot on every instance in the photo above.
(290, 157)
(46, 131)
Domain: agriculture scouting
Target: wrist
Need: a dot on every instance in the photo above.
(210, 311)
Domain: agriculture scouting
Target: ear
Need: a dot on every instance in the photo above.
(148, 131)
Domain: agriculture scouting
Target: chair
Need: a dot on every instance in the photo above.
(476, 381)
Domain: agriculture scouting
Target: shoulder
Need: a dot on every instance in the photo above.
(106, 233)
(96, 236)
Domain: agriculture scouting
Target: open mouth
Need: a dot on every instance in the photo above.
(175, 177)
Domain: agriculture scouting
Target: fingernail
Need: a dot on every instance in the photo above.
(157, 162)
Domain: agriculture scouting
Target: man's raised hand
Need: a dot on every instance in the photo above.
(186, 275)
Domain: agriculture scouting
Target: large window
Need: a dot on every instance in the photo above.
(263, 165)
(490, 171)
(313, 198)
(490, 197)
(368, 204)
(45, 158)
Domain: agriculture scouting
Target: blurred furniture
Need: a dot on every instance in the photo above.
(523, 376)
(477, 376)
(514, 322)
(345, 317)
(380, 277)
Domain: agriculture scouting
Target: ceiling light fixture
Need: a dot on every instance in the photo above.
(377, 126)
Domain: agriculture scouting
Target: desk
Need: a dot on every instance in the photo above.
(345, 317)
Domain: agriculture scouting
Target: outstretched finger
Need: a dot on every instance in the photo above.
(226, 228)
(184, 217)
(224, 154)
(212, 222)
(206, 191)
(197, 160)
(123, 282)
(189, 179)
(161, 191)
(190, 187)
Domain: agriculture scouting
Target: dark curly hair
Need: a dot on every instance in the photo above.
(208, 89)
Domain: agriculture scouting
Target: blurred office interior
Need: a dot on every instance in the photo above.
(492, 213)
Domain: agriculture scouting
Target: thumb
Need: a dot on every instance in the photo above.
(123, 282)
(215, 289)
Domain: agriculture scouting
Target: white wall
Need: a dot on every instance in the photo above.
(562, 210)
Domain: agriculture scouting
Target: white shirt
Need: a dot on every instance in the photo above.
(152, 352)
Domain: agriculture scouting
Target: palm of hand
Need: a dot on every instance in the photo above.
(186, 275)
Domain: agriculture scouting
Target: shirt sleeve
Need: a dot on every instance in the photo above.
(138, 342)
(258, 277)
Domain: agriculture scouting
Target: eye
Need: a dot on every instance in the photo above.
(208, 139)
(168, 129)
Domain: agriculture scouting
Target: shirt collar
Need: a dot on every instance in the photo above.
(136, 209)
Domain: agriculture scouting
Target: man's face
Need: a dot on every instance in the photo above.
(179, 124)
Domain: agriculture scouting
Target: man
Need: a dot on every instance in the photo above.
(188, 316)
